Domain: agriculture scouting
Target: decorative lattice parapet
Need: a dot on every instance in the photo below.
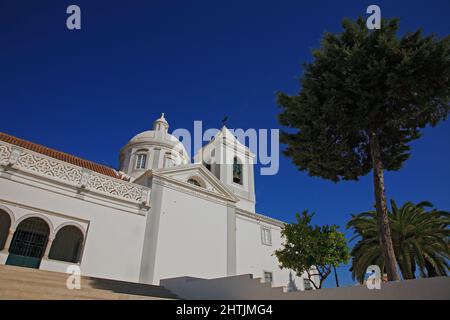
(60, 171)
(5, 152)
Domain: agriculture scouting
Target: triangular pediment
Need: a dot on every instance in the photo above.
(207, 182)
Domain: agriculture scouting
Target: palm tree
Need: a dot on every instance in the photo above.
(420, 239)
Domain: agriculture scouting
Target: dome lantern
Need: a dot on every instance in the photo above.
(161, 126)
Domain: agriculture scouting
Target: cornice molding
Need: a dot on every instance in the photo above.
(260, 217)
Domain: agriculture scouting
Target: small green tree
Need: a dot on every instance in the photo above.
(312, 249)
(363, 99)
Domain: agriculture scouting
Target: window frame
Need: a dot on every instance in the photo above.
(139, 162)
(168, 162)
(263, 238)
(237, 161)
(265, 272)
(207, 165)
(307, 286)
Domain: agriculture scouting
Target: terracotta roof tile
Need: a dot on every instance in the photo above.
(60, 156)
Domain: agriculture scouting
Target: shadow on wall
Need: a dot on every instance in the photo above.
(245, 287)
(131, 288)
(291, 284)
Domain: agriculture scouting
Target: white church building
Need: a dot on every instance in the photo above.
(159, 216)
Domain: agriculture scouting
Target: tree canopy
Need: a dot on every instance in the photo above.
(362, 82)
(420, 237)
(312, 249)
(363, 99)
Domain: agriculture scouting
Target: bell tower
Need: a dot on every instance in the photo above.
(232, 163)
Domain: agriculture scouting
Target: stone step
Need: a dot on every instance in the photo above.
(35, 295)
(87, 284)
(26, 283)
(36, 287)
(57, 292)
(23, 295)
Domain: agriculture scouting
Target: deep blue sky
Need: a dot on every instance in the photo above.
(88, 92)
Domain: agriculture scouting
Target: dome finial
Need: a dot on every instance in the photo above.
(161, 119)
(160, 123)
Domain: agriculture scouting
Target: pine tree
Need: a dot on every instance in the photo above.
(363, 99)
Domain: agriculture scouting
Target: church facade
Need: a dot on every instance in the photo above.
(159, 216)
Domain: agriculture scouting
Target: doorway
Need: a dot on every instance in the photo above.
(28, 244)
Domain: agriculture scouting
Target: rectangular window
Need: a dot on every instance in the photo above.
(307, 284)
(268, 277)
(266, 236)
(168, 162)
(207, 165)
(141, 161)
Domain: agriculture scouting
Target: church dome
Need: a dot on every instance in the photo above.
(150, 136)
(152, 149)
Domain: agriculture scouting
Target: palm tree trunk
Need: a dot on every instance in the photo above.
(336, 276)
(383, 219)
(413, 268)
(431, 271)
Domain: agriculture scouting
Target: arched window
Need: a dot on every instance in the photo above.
(141, 161)
(67, 245)
(5, 224)
(28, 243)
(237, 171)
(196, 182)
